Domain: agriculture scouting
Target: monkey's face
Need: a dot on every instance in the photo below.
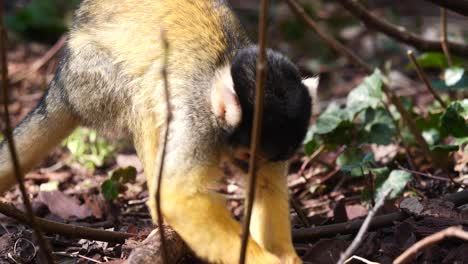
(287, 105)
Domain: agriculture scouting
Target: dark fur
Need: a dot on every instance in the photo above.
(286, 105)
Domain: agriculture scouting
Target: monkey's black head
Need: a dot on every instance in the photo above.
(287, 104)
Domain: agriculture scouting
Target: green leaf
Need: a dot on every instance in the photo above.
(445, 148)
(329, 120)
(453, 119)
(350, 161)
(369, 157)
(379, 126)
(434, 60)
(453, 75)
(124, 175)
(432, 136)
(310, 147)
(396, 181)
(367, 94)
(110, 189)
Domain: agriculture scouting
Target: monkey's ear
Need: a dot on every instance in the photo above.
(224, 101)
(312, 85)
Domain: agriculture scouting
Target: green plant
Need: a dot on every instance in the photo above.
(88, 149)
(111, 187)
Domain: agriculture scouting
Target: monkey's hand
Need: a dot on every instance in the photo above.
(201, 218)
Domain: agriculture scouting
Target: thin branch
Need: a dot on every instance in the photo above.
(360, 259)
(424, 79)
(354, 59)
(41, 61)
(159, 172)
(257, 125)
(67, 230)
(337, 46)
(399, 33)
(444, 42)
(362, 231)
(351, 227)
(410, 253)
(300, 213)
(11, 144)
(458, 6)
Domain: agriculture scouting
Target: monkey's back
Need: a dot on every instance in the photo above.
(200, 32)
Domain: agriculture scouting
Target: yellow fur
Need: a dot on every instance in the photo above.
(111, 75)
(270, 224)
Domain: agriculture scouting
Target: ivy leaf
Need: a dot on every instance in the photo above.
(379, 126)
(434, 60)
(110, 189)
(396, 181)
(329, 120)
(453, 119)
(453, 75)
(367, 94)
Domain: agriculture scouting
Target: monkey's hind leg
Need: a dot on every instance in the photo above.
(270, 224)
(37, 134)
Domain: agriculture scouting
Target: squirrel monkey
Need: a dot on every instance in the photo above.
(109, 79)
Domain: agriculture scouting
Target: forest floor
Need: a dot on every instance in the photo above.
(70, 185)
(64, 190)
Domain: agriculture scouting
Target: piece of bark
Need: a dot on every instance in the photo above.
(150, 251)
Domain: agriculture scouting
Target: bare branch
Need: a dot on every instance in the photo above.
(458, 6)
(257, 126)
(354, 59)
(424, 79)
(444, 43)
(400, 33)
(67, 230)
(159, 172)
(11, 144)
(410, 253)
(362, 231)
(41, 61)
(307, 234)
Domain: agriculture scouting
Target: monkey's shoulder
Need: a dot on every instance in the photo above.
(199, 31)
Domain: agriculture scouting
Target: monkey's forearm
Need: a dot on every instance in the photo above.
(270, 225)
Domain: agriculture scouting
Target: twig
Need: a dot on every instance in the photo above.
(361, 259)
(350, 227)
(41, 61)
(410, 253)
(11, 144)
(308, 234)
(430, 176)
(444, 42)
(257, 126)
(399, 33)
(337, 46)
(65, 229)
(300, 213)
(311, 158)
(362, 231)
(159, 172)
(354, 59)
(459, 6)
(424, 79)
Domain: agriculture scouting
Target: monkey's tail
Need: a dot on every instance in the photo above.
(45, 127)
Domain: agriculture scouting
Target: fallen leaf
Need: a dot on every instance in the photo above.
(64, 206)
